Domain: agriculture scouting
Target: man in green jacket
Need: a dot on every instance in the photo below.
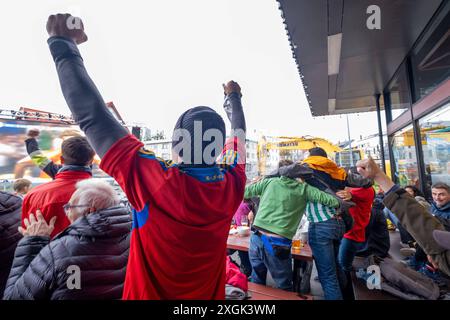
(282, 204)
(411, 214)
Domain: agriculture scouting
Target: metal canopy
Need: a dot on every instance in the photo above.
(368, 58)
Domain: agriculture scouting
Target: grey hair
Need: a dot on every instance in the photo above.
(96, 194)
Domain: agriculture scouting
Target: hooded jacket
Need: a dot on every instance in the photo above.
(95, 247)
(10, 208)
(420, 224)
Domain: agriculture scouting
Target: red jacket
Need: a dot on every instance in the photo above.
(181, 221)
(363, 198)
(235, 277)
(50, 198)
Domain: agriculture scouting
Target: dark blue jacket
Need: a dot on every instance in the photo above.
(10, 213)
(97, 244)
(443, 212)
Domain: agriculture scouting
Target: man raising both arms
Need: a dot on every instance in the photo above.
(182, 211)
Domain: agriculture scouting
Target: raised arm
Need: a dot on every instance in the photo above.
(412, 215)
(235, 113)
(233, 106)
(38, 157)
(256, 189)
(82, 96)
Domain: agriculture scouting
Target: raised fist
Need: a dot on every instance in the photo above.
(368, 168)
(231, 87)
(65, 25)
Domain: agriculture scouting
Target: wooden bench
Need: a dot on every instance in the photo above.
(261, 292)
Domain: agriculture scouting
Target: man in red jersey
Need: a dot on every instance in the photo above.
(76, 158)
(182, 211)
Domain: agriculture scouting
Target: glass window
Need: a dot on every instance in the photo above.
(435, 132)
(430, 58)
(399, 93)
(405, 158)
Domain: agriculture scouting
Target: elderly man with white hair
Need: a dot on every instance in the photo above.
(87, 260)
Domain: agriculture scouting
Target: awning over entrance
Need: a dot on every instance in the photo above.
(342, 62)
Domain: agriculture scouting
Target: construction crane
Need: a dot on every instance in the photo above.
(273, 149)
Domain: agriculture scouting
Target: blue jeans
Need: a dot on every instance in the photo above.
(388, 214)
(262, 260)
(347, 252)
(324, 239)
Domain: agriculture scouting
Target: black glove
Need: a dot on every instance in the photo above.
(345, 205)
(295, 171)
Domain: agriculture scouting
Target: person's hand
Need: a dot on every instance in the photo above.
(37, 226)
(250, 216)
(368, 168)
(344, 195)
(231, 87)
(65, 25)
(33, 133)
(434, 264)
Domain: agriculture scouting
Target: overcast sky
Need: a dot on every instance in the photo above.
(155, 59)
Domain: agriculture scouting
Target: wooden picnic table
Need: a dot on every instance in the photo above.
(237, 242)
(303, 261)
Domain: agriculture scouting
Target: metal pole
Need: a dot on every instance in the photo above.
(350, 143)
(380, 133)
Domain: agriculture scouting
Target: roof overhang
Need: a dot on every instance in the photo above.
(342, 63)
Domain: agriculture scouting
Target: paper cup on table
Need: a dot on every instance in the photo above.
(243, 231)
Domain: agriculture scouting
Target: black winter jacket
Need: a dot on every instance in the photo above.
(10, 214)
(97, 244)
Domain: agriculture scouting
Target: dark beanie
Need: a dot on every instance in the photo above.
(317, 151)
(209, 119)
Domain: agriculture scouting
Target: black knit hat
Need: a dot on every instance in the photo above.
(208, 119)
(317, 151)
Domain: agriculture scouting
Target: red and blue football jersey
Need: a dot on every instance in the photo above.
(181, 220)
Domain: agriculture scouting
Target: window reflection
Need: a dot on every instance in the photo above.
(435, 132)
(431, 59)
(403, 149)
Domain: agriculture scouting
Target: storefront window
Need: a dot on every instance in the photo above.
(405, 159)
(399, 93)
(430, 59)
(435, 131)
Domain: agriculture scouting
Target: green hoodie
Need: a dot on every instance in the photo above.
(282, 203)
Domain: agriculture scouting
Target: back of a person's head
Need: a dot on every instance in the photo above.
(77, 151)
(20, 185)
(317, 151)
(94, 193)
(199, 136)
(441, 185)
(284, 163)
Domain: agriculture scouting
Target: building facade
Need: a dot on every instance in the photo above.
(162, 149)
